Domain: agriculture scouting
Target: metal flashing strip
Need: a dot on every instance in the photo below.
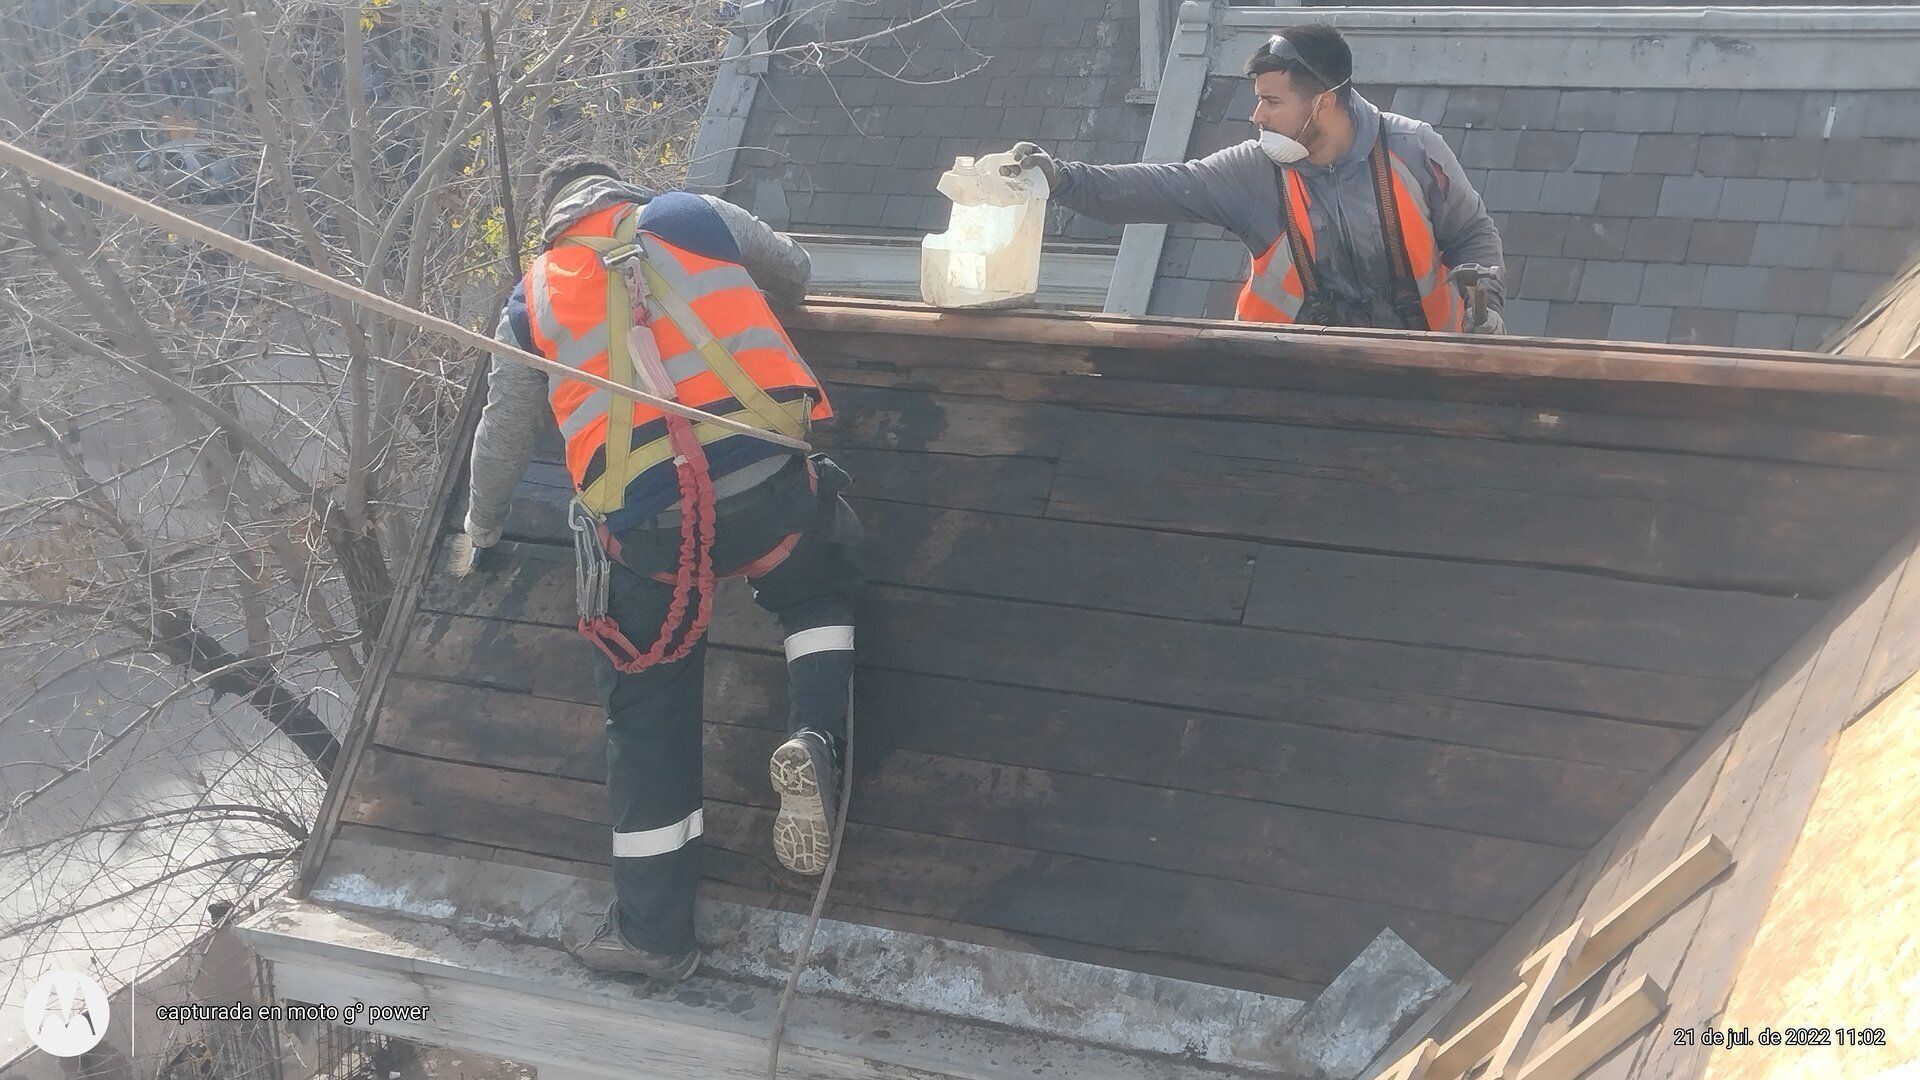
(416, 894)
(1175, 109)
(890, 269)
(1612, 48)
(530, 1003)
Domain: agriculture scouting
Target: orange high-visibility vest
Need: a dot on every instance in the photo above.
(718, 340)
(1276, 288)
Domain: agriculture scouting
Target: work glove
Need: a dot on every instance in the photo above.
(1028, 155)
(1494, 324)
(464, 553)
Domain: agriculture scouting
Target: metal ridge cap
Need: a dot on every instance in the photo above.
(1763, 20)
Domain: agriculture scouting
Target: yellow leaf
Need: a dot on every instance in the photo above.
(367, 23)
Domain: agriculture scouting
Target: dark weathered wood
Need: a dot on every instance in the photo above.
(392, 637)
(902, 786)
(1133, 908)
(1788, 438)
(1202, 649)
(1363, 350)
(1015, 556)
(1242, 670)
(786, 895)
(1777, 528)
(1515, 796)
(1514, 609)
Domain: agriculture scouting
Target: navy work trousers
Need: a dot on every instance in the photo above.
(654, 717)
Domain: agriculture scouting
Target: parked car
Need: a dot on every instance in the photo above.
(190, 170)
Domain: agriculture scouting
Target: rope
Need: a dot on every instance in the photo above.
(693, 575)
(819, 899)
(54, 173)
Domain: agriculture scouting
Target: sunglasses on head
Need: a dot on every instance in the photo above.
(1282, 50)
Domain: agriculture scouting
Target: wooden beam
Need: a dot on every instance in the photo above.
(1543, 991)
(1471, 1044)
(1386, 351)
(1593, 1038)
(1417, 1065)
(1639, 913)
(724, 121)
(1176, 105)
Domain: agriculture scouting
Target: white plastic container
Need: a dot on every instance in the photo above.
(990, 254)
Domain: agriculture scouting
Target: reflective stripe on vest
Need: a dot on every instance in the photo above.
(719, 343)
(1273, 292)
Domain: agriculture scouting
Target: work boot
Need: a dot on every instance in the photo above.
(606, 949)
(806, 776)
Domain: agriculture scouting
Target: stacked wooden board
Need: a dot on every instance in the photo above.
(1199, 650)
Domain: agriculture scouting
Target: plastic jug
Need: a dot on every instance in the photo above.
(990, 254)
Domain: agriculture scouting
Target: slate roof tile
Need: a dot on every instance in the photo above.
(1781, 244)
(1534, 234)
(1870, 159)
(1514, 190)
(1873, 250)
(1548, 151)
(1527, 108)
(1852, 290)
(1473, 106)
(1673, 155)
(1569, 193)
(1702, 326)
(1815, 202)
(1810, 331)
(1606, 152)
(1673, 285)
(1527, 317)
(1218, 260)
(1893, 113)
(1691, 196)
(1651, 111)
(1736, 288)
(1627, 195)
(1552, 278)
(1730, 155)
(1659, 240)
(1763, 330)
(1632, 322)
(1600, 238)
(1768, 112)
(1579, 320)
(1588, 110)
(1721, 243)
(1427, 103)
(1612, 282)
(1706, 111)
(1798, 158)
(1892, 205)
(1489, 148)
(1798, 292)
(1748, 199)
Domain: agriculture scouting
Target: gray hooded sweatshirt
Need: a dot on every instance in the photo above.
(517, 408)
(1239, 190)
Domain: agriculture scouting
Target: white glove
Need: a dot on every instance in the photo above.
(482, 538)
(1494, 324)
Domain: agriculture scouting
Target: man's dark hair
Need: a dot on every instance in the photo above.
(565, 170)
(1329, 62)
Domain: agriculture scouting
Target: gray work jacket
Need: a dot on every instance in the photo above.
(1239, 189)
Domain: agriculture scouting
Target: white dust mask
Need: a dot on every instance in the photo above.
(1284, 149)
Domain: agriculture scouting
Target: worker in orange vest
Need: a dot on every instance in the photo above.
(1351, 216)
(669, 292)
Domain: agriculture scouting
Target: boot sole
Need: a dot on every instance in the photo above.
(801, 838)
(615, 966)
